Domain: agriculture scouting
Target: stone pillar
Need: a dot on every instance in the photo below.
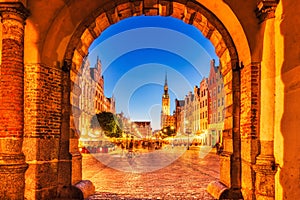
(250, 80)
(75, 113)
(12, 159)
(265, 167)
(232, 138)
(229, 186)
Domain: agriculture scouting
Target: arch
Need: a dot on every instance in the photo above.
(64, 43)
(212, 28)
(60, 35)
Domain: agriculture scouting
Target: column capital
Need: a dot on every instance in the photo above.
(265, 9)
(13, 8)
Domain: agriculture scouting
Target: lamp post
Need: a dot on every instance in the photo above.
(126, 140)
(172, 131)
(188, 148)
(187, 130)
(165, 131)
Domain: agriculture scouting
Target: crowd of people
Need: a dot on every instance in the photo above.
(129, 144)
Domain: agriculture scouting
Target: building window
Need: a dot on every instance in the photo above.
(219, 116)
(205, 102)
(218, 102)
(219, 89)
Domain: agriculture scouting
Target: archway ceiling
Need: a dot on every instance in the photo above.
(73, 45)
(93, 26)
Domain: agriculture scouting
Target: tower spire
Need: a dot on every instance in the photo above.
(166, 79)
(166, 92)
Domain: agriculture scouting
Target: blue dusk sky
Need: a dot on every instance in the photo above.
(137, 52)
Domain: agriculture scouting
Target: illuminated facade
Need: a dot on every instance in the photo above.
(216, 103)
(202, 112)
(92, 99)
(166, 118)
(179, 115)
(142, 129)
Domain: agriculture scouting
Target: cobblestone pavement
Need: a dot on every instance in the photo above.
(185, 178)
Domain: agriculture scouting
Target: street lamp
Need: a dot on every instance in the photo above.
(188, 148)
(172, 131)
(188, 133)
(127, 140)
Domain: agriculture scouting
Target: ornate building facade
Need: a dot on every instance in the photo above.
(142, 129)
(216, 103)
(92, 99)
(179, 116)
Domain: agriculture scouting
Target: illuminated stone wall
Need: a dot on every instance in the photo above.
(259, 54)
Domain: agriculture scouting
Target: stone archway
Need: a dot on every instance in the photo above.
(192, 13)
(54, 48)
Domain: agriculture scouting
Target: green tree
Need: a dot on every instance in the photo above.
(110, 124)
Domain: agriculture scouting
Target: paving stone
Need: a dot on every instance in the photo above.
(185, 178)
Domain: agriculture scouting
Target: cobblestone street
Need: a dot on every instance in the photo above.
(135, 178)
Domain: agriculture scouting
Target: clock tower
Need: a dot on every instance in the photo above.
(165, 112)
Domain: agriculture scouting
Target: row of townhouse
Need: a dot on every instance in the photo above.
(201, 113)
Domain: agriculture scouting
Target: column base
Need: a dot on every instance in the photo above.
(12, 181)
(265, 170)
(86, 187)
(219, 191)
(79, 191)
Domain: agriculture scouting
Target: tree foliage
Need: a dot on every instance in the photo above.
(109, 123)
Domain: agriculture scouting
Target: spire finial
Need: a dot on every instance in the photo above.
(166, 79)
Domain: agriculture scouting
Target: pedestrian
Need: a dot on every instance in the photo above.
(221, 147)
(122, 147)
(217, 147)
(130, 149)
(131, 145)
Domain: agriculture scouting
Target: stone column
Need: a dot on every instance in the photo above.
(229, 186)
(265, 167)
(12, 159)
(231, 157)
(74, 124)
